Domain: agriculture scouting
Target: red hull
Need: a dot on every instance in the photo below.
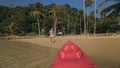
(71, 56)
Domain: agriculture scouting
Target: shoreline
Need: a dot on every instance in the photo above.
(12, 37)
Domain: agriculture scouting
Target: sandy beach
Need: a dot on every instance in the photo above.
(37, 52)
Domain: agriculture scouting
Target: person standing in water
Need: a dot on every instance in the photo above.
(51, 32)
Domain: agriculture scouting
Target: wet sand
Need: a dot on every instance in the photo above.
(39, 52)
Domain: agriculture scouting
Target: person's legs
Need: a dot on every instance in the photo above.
(50, 39)
(53, 39)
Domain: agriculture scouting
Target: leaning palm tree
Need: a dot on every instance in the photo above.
(112, 12)
(37, 14)
(112, 9)
(106, 1)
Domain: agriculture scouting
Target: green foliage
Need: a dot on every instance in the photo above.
(88, 3)
(23, 20)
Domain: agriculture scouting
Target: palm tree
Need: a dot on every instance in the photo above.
(80, 13)
(91, 21)
(85, 30)
(37, 14)
(68, 18)
(95, 17)
(11, 27)
(16, 17)
(67, 15)
(68, 24)
(86, 3)
(55, 10)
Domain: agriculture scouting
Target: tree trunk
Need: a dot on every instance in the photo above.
(80, 26)
(38, 21)
(11, 28)
(85, 31)
(87, 25)
(95, 17)
(55, 22)
(68, 25)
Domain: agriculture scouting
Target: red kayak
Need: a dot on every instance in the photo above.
(71, 56)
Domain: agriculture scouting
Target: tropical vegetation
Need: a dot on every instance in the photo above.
(37, 19)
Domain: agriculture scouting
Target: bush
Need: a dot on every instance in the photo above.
(32, 33)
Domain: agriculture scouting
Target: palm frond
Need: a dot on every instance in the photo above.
(113, 9)
(89, 3)
(105, 1)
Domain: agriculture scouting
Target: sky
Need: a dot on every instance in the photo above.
(73, 3)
